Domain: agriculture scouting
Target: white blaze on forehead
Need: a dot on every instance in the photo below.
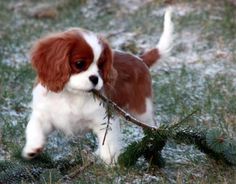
(93, 41)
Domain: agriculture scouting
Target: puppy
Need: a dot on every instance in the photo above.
(69, 65)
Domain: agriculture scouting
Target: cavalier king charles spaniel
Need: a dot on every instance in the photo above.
(69, 65)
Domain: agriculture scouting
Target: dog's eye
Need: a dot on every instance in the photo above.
(101, 65)
(80, 64)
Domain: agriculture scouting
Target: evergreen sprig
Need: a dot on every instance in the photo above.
(150, 147)
(18, 170)
(214, 142)
(16, 173)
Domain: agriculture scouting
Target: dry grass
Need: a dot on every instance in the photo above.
(200, 73)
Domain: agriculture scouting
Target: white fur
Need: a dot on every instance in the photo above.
(147, 117)
(165, 43)
(93, 41)
(69, 113)
(81, 82)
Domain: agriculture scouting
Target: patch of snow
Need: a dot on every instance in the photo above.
(146, 178)
(15, 55)
(213, 69)
(132, 5)
(121, 39)
(130, 133)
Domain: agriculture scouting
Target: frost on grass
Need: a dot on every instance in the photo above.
(200, 72)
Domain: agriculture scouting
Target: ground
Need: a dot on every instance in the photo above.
(199, 73)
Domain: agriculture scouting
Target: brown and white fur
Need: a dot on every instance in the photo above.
(72, 63)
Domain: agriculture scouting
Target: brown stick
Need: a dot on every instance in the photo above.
(107, 128)
(77, 171)
(121, 112)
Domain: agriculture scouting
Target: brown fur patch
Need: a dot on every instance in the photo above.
(132, 85)
(150, 57)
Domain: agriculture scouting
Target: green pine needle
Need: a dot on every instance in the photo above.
(212, 142)
(230, 152)
(216, 140)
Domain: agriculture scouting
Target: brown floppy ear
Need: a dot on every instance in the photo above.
(105, 63)
(50, 59)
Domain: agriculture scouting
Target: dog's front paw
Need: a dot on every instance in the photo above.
(30, 153)
(108, 157)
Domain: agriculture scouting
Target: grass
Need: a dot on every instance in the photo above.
(15, 84)
(181, 85)
(184, 90)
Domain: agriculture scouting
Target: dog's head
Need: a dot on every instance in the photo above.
(74, 60)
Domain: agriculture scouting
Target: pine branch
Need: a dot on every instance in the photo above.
(212, 142)
(18, 170)
(124, 114)
(16, 173)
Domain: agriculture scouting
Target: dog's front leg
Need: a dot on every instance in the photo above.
(36, 133)
(110, 150)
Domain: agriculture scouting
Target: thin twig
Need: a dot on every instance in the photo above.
(106, 131)
(184, 119)
(124, 114)
(108, 123)
(76, 173)
(115, 33)
(80, 169)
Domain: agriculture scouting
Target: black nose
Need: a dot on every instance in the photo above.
(93, 79)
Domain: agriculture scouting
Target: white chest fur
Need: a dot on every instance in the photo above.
(66, 111)
(70, 113)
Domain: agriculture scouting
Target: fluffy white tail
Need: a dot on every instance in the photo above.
(164, 45)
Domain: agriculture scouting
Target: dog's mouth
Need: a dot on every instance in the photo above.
(92, 91)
